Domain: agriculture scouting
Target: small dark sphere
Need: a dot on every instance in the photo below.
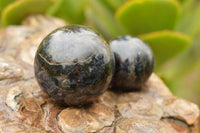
(73, 65)
(134, 63)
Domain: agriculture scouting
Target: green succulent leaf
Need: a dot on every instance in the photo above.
(102, 19)
(18, 10)
(4, 3)
(190, 20)
(70, 10)
(113, 4)
(53, 9)
(166, 44)
(143, 16)
(183, 64)
(182, 1)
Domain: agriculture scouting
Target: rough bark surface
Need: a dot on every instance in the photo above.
(25, 108)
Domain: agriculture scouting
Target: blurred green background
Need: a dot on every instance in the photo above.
(170, 27)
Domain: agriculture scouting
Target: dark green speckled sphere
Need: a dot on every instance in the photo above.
(134, 63)
(73, 65)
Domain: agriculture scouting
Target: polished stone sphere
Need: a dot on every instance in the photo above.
(73, 65)
(134, 63)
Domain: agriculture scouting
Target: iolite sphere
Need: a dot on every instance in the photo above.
(134, 63)
(73, 65)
